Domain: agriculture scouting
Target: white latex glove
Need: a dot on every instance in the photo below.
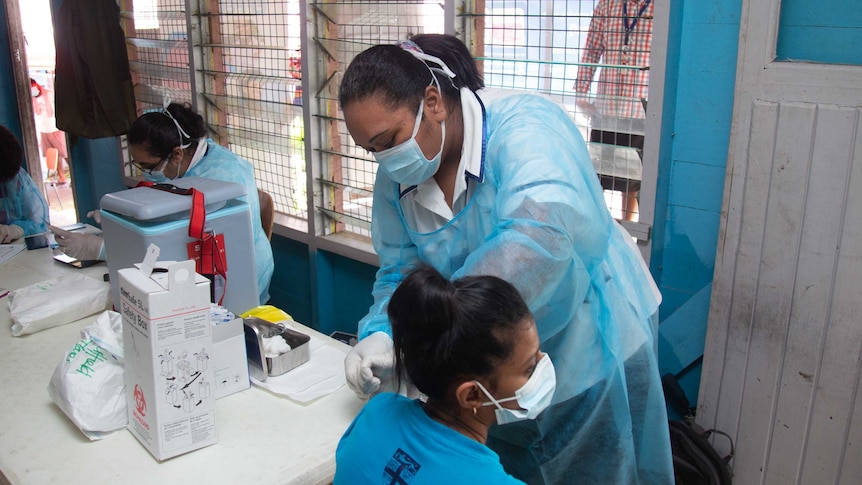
(370, 365)
(10, 233)
(79, 245)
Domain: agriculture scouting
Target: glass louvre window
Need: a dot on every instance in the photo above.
(342, 30)
(542, 47)
(238, 62)
(158, 52)
(242, 75)
(252, 94)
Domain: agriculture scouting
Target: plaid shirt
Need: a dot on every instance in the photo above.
(619, 90)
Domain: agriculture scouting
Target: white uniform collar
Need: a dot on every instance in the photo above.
(428, 193)
(424, 207)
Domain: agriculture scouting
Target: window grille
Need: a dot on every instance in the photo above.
(240, 69)
(541, 46)
(251, 88)
(158, 53)
(344, 29)
(242, 75)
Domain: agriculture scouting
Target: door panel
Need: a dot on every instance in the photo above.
(783, 351)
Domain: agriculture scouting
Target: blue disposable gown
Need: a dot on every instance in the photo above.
(538, 219)
(222, 164)
(23, 204)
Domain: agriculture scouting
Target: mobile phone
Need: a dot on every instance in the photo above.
(36, 241)
(347, 338)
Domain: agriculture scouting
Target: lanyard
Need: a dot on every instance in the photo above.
(631, 28)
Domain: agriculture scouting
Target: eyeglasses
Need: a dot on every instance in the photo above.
(149, 169)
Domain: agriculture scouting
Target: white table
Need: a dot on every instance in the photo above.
(263, 438)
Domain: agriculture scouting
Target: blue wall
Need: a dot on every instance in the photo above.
(820, 31)
(700, 74)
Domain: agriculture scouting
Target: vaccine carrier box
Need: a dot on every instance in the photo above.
(168, 341)
(133, 219)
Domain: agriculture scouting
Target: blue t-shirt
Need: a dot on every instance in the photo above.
(392, 440)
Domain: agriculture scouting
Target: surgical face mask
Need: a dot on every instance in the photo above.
(405, 163)
(35, 92)
(158, 176)
(534, 396)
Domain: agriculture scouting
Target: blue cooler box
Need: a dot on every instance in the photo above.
(135, 218)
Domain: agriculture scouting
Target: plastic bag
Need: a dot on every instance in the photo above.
(88, 385)
(57, 302)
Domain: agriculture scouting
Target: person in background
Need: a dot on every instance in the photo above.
(46, 125)
(25, 211)
(471, 347)
(475, 181)
(620, 34)
(296, 73)
(170, 144)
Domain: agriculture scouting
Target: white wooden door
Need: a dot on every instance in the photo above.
(783, 353)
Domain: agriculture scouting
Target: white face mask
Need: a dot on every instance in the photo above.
(534, 396)
(405, 163)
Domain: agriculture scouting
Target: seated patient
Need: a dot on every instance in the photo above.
(471, 347)
(23, 210)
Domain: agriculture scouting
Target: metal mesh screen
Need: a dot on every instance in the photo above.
(244, 69)
(251, 85)
(343, 30)
(246, 74)
(545, 47)
(157, 46)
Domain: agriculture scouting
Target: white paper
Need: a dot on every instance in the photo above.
(9, 251)
(323, 374)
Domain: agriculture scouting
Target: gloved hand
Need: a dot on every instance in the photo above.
(10, 233)
(370, 365)
(79, 245)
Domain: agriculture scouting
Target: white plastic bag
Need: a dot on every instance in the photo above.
(57, 302)
(88, 385)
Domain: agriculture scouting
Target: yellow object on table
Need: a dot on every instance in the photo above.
(267, 312)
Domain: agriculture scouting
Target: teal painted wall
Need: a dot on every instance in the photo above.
(820, 31)
(700, 79)
(290, 287)
(344, 292)
(343, 287)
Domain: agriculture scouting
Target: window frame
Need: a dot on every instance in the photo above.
(317, 79)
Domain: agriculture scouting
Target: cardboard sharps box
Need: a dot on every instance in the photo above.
(168, 342)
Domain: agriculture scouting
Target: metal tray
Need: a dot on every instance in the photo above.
(259, 365)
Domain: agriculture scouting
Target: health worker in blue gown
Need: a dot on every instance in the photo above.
(23, 210)
(476, 181)
(171, 143)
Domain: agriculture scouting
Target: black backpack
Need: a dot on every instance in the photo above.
(695, 461)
